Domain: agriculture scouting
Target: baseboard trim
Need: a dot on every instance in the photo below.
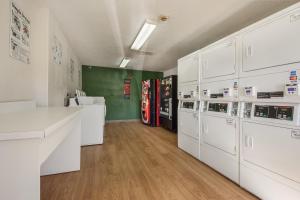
(125, 120)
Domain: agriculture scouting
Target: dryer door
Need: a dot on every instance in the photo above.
(220, 133)
(272, 45)
(274, 148)
(188, 123)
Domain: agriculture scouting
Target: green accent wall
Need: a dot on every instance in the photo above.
(109, 82)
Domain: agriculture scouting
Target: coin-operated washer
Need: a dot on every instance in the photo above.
(220, 127)
(93, 118)
(270, 136)
(188, 119)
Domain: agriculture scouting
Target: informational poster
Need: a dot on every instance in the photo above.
(127, 83)
(19, 35)
(72, 68)
(57, 51)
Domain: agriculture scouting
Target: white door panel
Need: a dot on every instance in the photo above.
(188, 69)
(220, 60)
(188, 124)
(189, 145)
(274, 44)
(220, 132)
(272, 148)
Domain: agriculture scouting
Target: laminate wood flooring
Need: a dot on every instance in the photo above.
(137, 162)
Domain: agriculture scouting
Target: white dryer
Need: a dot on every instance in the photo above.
(270, 136)
(188, 119)
(220, 127)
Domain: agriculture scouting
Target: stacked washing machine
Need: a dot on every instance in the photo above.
(270, 135)
(220, 107)
(250, 106)
(189, 103)
(270, 107)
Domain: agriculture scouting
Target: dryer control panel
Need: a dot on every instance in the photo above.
(229, 108)
(274, 112)
(218, 107)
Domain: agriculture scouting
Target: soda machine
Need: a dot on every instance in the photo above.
(150, 102)
(168, 103)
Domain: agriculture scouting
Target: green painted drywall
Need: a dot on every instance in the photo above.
(109, 82)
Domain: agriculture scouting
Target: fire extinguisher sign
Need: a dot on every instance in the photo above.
(127, 83)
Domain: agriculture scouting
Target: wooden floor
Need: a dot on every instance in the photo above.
(137, 162)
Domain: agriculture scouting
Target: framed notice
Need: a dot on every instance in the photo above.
(19, 35)
(127, 84)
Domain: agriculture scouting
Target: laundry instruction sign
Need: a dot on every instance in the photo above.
(126, 88)
(19, 35)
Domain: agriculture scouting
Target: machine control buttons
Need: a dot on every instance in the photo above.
(249, 91)
(227, 92)
(274, 112)
(188, 105)
(218, 107)
(235, 109)
(215, 96)
(247, 108)
(206, 93)
(292, 89)
(268, 95)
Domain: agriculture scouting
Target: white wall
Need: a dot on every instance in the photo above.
(60, 81)
(170, 72)
(40, 29)
(16, 78)
(40, 80)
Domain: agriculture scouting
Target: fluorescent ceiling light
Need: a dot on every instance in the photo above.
(124, 62)
(143, 35)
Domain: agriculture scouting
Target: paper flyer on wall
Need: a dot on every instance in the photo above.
(72, 67)
(57, 51)
(19, 35)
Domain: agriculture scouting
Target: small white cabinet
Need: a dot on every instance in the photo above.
(274, 44)
(219, 60)
(188, 69)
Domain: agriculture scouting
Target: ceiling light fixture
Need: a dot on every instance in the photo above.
(143, 35)
(124, 62)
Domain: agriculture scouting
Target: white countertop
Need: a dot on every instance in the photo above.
(34, 124)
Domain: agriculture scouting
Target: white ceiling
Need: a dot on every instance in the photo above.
(101, 31)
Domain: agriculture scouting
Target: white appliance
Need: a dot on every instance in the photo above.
(270, 136)
(219, 61)
(188, 69)
(188, 119)
(93, 119)
(220, 127)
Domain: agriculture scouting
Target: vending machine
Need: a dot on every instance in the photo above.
(145, 107)
(168, 103)
(150, 102)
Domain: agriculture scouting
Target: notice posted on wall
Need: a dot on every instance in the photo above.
(57, 51)
(19, 35)
(127, 83)
(72, 69)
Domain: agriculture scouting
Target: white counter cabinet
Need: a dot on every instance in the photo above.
(37, 142)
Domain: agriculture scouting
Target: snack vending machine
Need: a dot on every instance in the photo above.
(168, 103)
(150, 102)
